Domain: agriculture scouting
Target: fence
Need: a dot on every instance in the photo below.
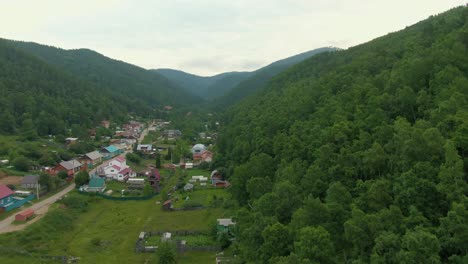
(135, 198)
(140, 246)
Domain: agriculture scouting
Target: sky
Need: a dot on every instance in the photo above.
(207, 37)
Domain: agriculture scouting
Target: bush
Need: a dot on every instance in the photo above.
(192, 204)
(22, 163)
(133, 158)
(76, 202)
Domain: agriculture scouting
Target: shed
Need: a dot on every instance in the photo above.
(167, 205)
(24, 215)
(224, 224)
(166, 236)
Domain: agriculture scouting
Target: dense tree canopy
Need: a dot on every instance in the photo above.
(359, 155)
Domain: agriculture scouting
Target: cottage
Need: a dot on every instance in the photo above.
(109, 151)
(30, 182)
(96, 184)
(6, 196)
(117, 169)
(71, 167)
(224, 224)
(24, 215)
(92, 158)
(145, 148)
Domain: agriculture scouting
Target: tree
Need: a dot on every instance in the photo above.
(44, 180)
(22, 163)
(314, 243)
(419, 246)
(166, 253)
(277, 241)
(158, 161)
(62, 175)
(147, 190)
(81, 178)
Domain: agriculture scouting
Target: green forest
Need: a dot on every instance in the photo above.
(357, 156)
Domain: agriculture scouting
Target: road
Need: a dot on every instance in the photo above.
(39, 208)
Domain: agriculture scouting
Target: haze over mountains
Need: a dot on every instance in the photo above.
(234, 85)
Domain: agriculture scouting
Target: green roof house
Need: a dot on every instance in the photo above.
(96, 184)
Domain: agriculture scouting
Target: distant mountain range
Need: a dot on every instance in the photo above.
(233, 86)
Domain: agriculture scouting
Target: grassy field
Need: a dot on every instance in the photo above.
(107, 230)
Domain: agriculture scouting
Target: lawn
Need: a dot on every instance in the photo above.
(116, 224)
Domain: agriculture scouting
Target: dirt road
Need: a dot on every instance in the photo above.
(39, 208)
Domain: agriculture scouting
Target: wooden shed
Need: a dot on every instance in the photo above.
(25, 215)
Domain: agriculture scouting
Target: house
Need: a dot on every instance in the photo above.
(109, 151)
(207, 156)
(71, 167)
(105, 123)
(96, 184)
(24, 215)
(117, 169)
(171, 133)
(6, 196)
(30, 182)
(224, 224)
(92, 158)
(145, 148)
(71, 140)
(188, 187)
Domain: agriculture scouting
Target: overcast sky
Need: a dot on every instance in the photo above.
(206, 37)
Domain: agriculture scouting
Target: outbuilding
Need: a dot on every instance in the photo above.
(24, 215)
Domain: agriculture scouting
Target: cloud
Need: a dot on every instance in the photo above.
(208, 36)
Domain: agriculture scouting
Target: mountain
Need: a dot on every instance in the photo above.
(38, 98)
(364, 152)
(205, 87)
(233, 84)
(125, 79)
(261, 77)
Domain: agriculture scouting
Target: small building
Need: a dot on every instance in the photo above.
(105, 123)
(166, 236)
(207, 156)
(24, 215)
(92, 158)
(186, 165)
(188, 187)
(71, 140)
(96, 184)
(145, 148)
(171, 133)
(71, 167)
(224, 224)
(110, 151)
(198, 148)
(30, 182)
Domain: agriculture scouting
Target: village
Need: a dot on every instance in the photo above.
(137, 165)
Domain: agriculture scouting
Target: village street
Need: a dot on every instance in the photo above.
(39, 208)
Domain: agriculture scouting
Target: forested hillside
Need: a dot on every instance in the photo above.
(144, 87)
(357, 156)
(227, 88)
(261, 77)
(205, 87)
(37, 98)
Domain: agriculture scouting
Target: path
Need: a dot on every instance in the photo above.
(39, 208)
